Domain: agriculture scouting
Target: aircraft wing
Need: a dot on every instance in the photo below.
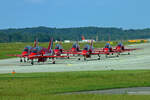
(125, 50)
(71, 52)
(17, 55)
(102, 52)
(46, 56)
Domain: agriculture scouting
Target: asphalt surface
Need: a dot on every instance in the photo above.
(130, 91)
(138, 59)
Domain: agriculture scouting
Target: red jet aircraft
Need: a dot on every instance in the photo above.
(26, 52)
(75, 49)
(120, 49)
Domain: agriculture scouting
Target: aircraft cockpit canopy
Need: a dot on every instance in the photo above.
(86, 47)
(58, 46)
(27, 48)
(75, 45)
(36, 49)
(120, 44)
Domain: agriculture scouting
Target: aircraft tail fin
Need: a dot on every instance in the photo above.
(91, 45)
(50, 44)
(35, 42)
(83, 38)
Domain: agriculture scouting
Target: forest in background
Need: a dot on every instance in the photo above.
(44, 33)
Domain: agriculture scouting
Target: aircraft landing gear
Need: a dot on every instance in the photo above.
(79, 59)
(20, 59)
(25, 60)
(84, 58)
(53, 61)
(128, 53)
(99, 57)
(32, 62)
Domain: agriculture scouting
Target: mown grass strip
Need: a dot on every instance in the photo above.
(55, 83)
(78, 97)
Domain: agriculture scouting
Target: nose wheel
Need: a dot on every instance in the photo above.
(25, 60)
(99, 57)
(53, 62)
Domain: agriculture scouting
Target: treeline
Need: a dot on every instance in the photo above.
(44, 33)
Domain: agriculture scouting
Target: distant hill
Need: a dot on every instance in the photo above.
(44, 33)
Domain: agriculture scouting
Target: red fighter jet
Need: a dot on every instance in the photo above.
(120, 49)
(58, 50)
(41, 54)
(75, 49)
(26, 52)
(107, 50)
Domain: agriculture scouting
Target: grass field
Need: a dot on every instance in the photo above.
(49, 86)
(16, 48)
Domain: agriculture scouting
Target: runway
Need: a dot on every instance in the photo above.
(129, 91)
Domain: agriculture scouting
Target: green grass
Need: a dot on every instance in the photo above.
(16, 48)
(78, 97)
(50, 85)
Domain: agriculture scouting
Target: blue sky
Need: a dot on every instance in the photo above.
(75, 13)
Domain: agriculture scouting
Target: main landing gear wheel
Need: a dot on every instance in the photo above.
(79, 59)
(53, 62)
(32, 62)
(128, 53)
(25, 60)
(20, 60)
(98, 58)
(68, 57)
(117, 56)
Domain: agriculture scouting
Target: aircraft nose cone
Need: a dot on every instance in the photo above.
(24, 53)
(73, 49)
(118, 47)
(56, 51)
(105, 49)
(84, 52)
(31, 55)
